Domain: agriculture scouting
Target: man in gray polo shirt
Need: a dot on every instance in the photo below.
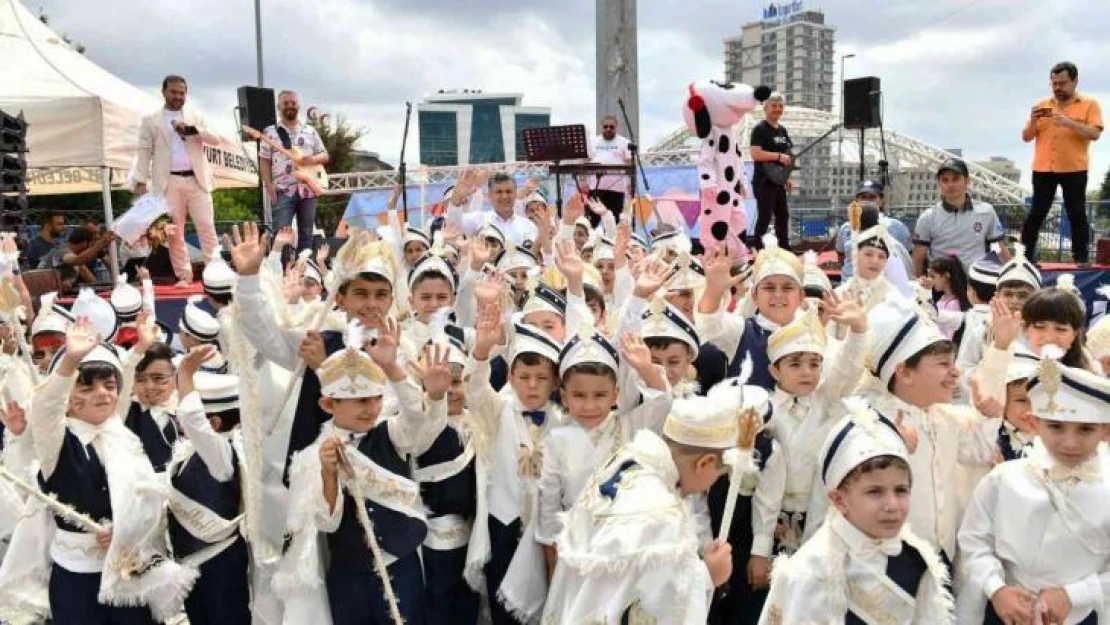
(957, 225)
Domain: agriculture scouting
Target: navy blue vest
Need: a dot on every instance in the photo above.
(753, 342)
(457, 494)
(1007, 446)
(905, 569)
(158, 445)
(197, 483)
(711, 365)
(79, 480)
(309, 415)
(398, 534)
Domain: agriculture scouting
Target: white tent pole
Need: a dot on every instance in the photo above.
(109, 219)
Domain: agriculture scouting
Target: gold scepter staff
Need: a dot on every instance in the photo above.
(51, 502)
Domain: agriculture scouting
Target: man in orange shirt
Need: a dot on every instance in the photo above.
(1064, 127)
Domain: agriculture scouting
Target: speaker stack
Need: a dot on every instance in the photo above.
(862, 103)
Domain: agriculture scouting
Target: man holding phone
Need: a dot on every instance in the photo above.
(171, 157)
(1064, 127)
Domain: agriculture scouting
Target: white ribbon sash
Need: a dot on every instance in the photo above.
(877, 600)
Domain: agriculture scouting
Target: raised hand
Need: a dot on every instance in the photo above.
(147, 331)
(569, 261)
(80, 341)
(294, 281)
(596, 207)
(620, 246)
(247, 250)
(1005, 324)
(434, 370)
(847, 311)
(987, 405)
(573, 208)
(312, 350)
(481, 253)
(718, 272)
(14, 418)
(283, 238)
(635, 352)
(322, 256)
(488, 290)
(144, 273)
(655, 274)
(487, 331)
(393, 197)
(465, 186)
(329, 456)
(383, 348)
(908, 432)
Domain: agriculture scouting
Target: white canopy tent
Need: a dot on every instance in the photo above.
(84, 121)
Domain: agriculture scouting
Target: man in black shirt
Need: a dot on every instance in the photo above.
(770, 145)
(51, 235)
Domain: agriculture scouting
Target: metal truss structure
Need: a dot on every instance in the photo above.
(680, 148)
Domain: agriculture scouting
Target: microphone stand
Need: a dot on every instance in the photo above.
(401, 169)
(637, 163)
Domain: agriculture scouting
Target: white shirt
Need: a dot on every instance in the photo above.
(179, 157)
(611, 152)
(516, 228)
(1012, 533)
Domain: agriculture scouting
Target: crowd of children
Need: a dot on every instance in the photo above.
(584, 427)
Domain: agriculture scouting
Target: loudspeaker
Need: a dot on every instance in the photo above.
(257, 107)
(861, 103)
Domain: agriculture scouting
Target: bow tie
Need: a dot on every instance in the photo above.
(889, 547)
(537, 417)
(1085, 472)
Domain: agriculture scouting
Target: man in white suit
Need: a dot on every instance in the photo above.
(171, 160)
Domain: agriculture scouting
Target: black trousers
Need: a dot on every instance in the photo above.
(1074, 185)
(503, 542)
(613, 200)
(770, 199)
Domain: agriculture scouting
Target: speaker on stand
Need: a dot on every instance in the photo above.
(258, 109)
(862, 110)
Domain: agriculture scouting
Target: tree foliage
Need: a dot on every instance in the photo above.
(340, 139)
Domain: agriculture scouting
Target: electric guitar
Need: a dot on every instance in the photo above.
(312, 176)
(778, 173)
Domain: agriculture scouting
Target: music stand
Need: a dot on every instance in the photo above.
(556, 143)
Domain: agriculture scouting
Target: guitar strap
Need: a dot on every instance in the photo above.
(286, 141)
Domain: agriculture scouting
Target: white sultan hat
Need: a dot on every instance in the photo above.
(604, 250)
(638, 240)
(591, 278)
(860, 436)
(52, 317)
(197, 322)
(898, 331)
(1063, 393)
(218, 277)
(589, 346)
(583, 222)
(491, 231)
(804, 334)
(535, 196)
(690, 275)
(436, 264)
(1019, 269)
(528, 339)
(1098, 337)
(362, 255)
(662, 320)
(543, 298)
(1023, 365)
(350, 373)
(736, 392)
(673, 240)
(876, 236)
(126, 299)
(513, 257)
(701, 422)
(312, 271)
(105, 353)
(100, 313)
(813, 277)
(218, 391)
(986, 269)
(416, 235)
(775, 261)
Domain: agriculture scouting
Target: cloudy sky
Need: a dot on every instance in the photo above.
(956, 73)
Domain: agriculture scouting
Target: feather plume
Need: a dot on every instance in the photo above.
(1052, 352)
(356, 334)
(745, 370)
(437, 324)
(1019, 252)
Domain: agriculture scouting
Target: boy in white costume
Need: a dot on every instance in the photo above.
(864, 565)
(1035, 539)
(628, 551)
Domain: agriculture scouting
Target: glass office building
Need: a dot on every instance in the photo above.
(461, 128)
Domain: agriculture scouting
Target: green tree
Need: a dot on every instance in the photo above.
(1104, 192)
(339, 139)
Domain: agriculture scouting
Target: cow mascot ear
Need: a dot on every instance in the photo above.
(761, 93)
(696, 104)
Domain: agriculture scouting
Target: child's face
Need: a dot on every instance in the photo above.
(675, 360)
(1017, 405)
(696, 473)
(312, 289)
(431, 295)
(871, 261)
(154, 386)
(608, 271)
(683, 300)
(589, 398)
(456, 395)
(365, 300)
(1014, 295)
(876, 502)
(1071, 444)
(356, 415)
(533, 384)
(43, 347)
(549, 322)
(495, 247)
(935, 378)
(413, 251)
(1041, 333)
(520, 278)
(778, 297)
(940, 281)
(597, 309)
(580, 237)
(798, 374)
(94, 403)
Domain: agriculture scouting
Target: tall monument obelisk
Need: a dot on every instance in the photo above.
(618, 73)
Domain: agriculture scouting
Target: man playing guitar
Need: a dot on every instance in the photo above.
(290, 195)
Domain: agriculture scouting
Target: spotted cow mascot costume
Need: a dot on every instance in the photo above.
(712, 112)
